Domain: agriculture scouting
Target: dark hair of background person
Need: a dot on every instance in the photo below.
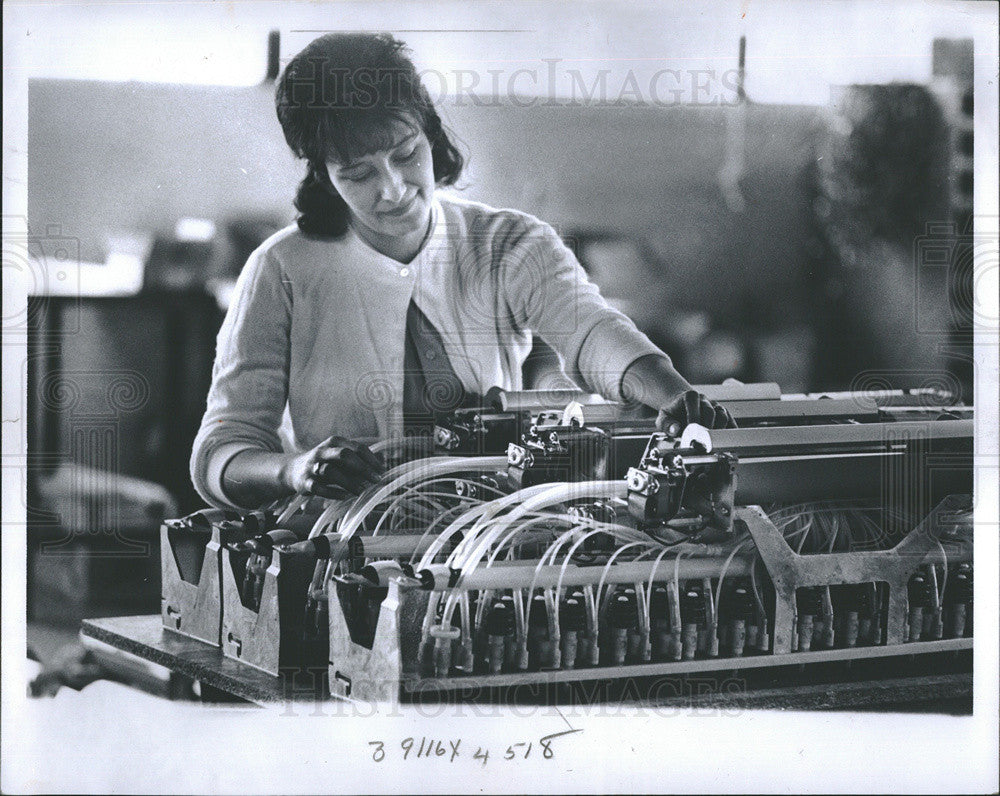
(337, 100)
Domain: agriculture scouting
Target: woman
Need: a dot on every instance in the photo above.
(387, 300)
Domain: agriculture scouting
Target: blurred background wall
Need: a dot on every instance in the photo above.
(120, 157)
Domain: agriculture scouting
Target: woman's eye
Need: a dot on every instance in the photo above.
(405, 156)
(356, 177)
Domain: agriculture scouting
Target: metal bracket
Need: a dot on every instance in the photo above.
(191, 609)
(790, 571)
(376, 673)
(271, 637)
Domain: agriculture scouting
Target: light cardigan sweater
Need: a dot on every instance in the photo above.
(313, 342)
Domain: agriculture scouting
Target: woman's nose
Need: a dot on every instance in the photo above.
(393, 187)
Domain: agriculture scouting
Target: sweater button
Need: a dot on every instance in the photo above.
(404, 272)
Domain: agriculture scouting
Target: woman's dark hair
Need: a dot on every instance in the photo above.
(337, 100)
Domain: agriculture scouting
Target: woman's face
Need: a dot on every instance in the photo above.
(389, 192)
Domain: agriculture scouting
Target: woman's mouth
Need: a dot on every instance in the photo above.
(400, 210)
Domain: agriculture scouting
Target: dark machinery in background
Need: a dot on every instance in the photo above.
(551, 542)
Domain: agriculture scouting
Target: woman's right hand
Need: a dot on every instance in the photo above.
(335, 468)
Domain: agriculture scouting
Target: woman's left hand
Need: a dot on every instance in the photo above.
(693, 407)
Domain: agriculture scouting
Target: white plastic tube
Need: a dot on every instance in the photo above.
(547, 495)
(411, 473)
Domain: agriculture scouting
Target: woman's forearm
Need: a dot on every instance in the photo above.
(652, 380)
(254, 478)
(335, 468)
